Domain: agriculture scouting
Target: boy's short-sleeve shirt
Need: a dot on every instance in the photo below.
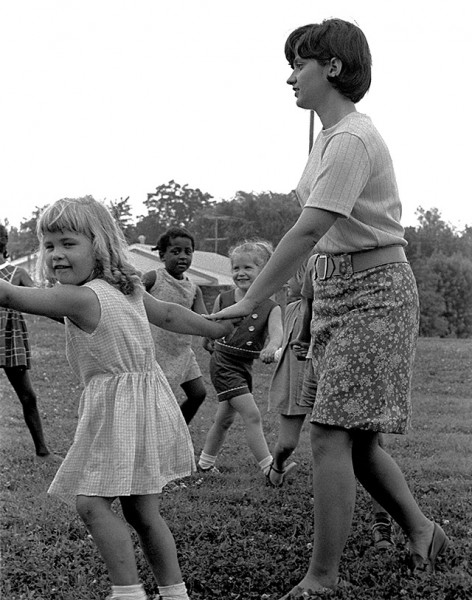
(350, 172)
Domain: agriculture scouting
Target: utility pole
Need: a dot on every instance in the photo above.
(312, 128)
(217, 218)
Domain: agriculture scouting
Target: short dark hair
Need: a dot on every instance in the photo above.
(166, 238)
(335, 38)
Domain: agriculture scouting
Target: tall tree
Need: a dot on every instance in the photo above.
(432, 235)
(264, 215)
(121, 211)
(174, 204)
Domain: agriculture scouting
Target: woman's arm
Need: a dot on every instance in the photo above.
(275, 335)
(291, 251)
(179, 319)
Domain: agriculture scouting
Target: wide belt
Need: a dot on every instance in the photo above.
(344, 265)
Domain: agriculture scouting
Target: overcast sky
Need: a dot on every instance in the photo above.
(113, 98)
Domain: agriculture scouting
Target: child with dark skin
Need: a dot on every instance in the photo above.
(174, 351)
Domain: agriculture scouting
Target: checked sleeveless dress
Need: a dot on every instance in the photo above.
(14, 342)
(131, 438)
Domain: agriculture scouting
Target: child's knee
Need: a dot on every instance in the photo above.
(225, 422)
(86, 509)
(90, 508)
(253, 417)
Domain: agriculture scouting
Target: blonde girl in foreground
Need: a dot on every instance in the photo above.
(131, 438)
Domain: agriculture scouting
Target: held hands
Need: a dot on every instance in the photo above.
(221, 328)
(209, 345)
(268, 354)
(236, 311)
(300, 349)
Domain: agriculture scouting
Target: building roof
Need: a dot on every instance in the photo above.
(207, 268)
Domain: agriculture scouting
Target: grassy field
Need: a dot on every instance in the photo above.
(237, 538)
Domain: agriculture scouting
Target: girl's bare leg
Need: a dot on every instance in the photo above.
(247, 408)
(155, 537)
(290, 427)
(112, 537)
(215, 438)
(21, 383)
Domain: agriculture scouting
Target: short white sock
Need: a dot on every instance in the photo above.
(173, 592)
(128, 592)
(265, 464)
(206, 461)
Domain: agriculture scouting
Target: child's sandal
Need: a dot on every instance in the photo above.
(278, 479)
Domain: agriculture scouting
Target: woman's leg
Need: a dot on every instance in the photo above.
(112, 537)
(247, 408)
(195, 391)
(290, 427)
(383, 479)
(155, 537)
(215, 438)
(21, 383)
(334, 491)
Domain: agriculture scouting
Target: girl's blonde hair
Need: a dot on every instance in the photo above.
(91, 218)
(261, 250)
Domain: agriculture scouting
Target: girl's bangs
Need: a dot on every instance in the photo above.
(63, 217)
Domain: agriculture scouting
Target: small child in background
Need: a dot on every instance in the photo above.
(259, 335)
(15, 354)
(131, 437)
(174, 350)
(286, 384)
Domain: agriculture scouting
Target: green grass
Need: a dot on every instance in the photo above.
(238, 539)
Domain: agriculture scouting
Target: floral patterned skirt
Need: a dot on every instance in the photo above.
(364, 333)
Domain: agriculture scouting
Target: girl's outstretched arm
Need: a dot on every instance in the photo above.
(78, 303)
(175, 317)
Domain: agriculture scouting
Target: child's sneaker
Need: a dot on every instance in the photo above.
(213, 470)
(382, 533)
(174, 486)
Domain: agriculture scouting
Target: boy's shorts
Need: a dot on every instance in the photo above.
(231, 376)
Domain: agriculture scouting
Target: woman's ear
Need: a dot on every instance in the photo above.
(335, 67)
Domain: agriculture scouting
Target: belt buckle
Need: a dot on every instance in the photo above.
(322, 265)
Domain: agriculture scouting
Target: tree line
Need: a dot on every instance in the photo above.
(440, 256)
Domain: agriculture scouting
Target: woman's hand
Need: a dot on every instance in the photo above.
(236, 311)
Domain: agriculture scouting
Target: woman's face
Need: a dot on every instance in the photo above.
(309, 82)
